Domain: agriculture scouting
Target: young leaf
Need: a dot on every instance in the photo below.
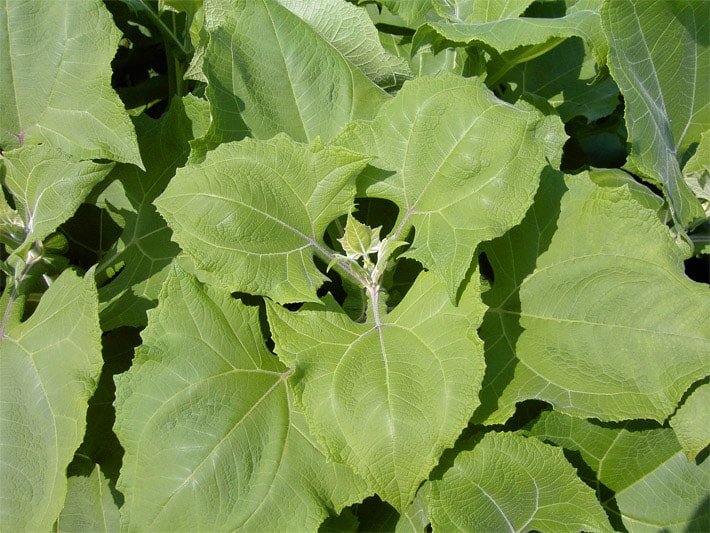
(63, 96)
(293, 66)
(89, 506)
(654, 485)
(144, 248)
(359, 240)
(462, 165)
(661, 60)
(690, 422)
(48, 186)
(212, 437)
(512, 483)
(49, 367)
(386, 397)
(612, 327)
(253, 215)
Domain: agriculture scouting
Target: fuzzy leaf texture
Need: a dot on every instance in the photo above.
(581, 296)
(253, 215)
(388, 396)
(661, 60)
(44, 403)
(222, 423)
(655, 487)
(461, 165)
(541, 491)
(63, 95)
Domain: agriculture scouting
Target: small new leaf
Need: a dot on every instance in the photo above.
(359, 240)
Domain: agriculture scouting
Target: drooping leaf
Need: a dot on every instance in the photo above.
(253, 215)
(144, 249)
(301, 67)
(690, 422)
(212, 437)
(89, 506)
(512, 483)
(520, 39)
(613, 329)
(49, 366)
(63, 95)
(48, 186)
(661, 60)
(451, 134)
(388, 396)
(654, 486)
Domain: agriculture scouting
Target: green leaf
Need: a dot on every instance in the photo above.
(690, 422)
(253, 215)
(612, 327)
(89, 506)
(461, 165)
(654, 485)
(661, 60)
(48, 186)
(144, 249)
(696, 172)
(212, 437)
(63, 96)
(512, 483)
(413, 12)
(48, 370)
(473, 11)
(359, 240)
(566, 76)
(301, 67)
(524, 38)
(386, 397)
(415, 518)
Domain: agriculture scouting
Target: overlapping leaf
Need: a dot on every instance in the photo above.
(144, 250)
(253, 215)
(295, 66)
(461, 165)
(48, 186)
(655, 487)
(63, 95)
(690, 422)
(661, 60)
(613, 329)
(387, 396)
(512, 483)
(48, 369)
(89, 506)
(212, 437)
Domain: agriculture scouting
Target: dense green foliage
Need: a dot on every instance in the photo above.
(329, 265)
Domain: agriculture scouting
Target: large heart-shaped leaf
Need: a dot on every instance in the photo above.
(212, 437)
(386, 397)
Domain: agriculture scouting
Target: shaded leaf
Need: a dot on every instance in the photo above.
(654, 485)
(89, 506)
(690, 422)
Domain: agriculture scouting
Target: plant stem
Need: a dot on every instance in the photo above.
(13, 297)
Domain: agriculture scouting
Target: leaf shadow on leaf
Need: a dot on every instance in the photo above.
(501, 327)
(100, 445)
